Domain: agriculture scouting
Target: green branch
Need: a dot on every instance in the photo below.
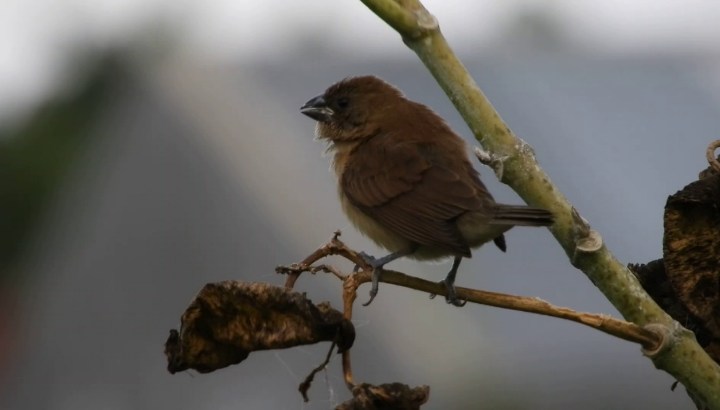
(516, 166)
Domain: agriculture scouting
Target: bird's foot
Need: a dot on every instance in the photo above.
(452, 297)
(377, 266)
(369, 259)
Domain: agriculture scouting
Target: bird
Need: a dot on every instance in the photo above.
(405, 179)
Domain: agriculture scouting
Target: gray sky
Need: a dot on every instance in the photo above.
(37, 35)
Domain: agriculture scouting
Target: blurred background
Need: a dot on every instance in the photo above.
(150, 147)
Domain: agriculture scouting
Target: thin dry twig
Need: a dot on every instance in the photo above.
(305, 385)
(328, 269)
(332, 247)
(650, 339)
(350, 285)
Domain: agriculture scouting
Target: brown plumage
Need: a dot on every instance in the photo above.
(405, 179)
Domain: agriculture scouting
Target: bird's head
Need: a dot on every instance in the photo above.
(353, 109)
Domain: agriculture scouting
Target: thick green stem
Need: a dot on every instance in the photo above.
(681, 356)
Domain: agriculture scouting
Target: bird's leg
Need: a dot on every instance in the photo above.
(449, 283)
(377, 265)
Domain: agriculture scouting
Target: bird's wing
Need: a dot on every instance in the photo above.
(402, 189)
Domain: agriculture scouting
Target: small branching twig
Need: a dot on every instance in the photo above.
(350, 284)
(293, 271)
(653, 339)
(328, 269)
(305, 385)
(650, 338)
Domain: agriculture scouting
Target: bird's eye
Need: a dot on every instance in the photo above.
(343, 102)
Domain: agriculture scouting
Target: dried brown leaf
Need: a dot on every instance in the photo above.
(691, 250)
(391, 396)
(686, 282)
(228, 320)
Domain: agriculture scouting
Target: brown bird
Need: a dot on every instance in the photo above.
(405, 179)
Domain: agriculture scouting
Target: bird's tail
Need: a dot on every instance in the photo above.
(522, 215)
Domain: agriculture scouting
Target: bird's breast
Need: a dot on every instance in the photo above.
(380, 234)
(366, 225)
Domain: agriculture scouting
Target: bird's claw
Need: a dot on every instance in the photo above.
(452, 297)
(375, 285)
(377, 270)
(368, 259)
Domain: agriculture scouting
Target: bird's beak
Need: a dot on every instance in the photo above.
(317, 109)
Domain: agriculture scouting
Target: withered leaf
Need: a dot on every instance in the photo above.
(691, 249)
(391, 396)
(226, 321)
(686, 282)
(654, 280)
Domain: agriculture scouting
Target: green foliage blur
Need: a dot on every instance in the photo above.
(36, 156)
